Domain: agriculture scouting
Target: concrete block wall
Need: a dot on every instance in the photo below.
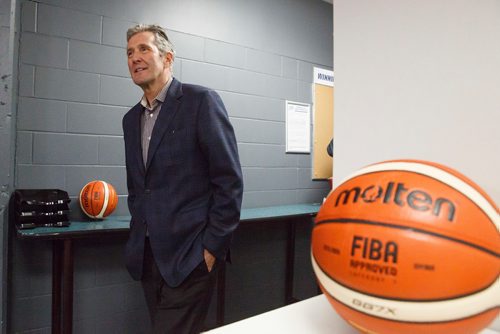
(74, 89)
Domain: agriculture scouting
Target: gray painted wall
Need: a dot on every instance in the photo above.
(74, 88)
(73, 70)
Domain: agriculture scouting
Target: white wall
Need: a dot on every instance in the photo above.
(418, 79)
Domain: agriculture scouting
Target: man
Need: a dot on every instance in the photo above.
(184, 182)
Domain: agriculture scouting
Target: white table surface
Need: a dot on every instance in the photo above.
(311, 316)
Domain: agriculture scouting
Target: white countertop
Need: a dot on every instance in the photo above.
(311, 316)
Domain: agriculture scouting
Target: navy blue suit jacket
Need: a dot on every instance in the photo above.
(188, 196)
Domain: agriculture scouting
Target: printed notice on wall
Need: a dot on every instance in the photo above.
(298, 127)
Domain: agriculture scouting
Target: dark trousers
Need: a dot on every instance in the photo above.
(178, 310)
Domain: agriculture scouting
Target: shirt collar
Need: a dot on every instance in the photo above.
(160, 98)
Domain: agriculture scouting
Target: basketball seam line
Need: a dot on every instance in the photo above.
(375, 223)
(398, 299)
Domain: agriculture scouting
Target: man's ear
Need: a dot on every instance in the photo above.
(168, 59)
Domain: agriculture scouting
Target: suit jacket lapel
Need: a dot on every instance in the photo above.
(167, 112)
(135, 135)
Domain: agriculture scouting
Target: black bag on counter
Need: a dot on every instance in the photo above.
(41, 207)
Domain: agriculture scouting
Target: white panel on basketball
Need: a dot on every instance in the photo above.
(408, 311)
(106, 200)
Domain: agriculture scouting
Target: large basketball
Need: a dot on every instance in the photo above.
(409, 247)
(98, 199)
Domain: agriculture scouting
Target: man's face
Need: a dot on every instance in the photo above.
(147, 66)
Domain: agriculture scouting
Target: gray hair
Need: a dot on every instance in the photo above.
(161, 39)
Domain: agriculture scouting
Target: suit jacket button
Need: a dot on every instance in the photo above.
(147, 191)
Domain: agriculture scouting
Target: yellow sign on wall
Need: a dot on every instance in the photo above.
(323, 123)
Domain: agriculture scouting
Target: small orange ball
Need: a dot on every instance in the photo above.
(98, 199)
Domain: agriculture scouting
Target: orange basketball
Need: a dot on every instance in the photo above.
(409, 246)
(98, 199)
